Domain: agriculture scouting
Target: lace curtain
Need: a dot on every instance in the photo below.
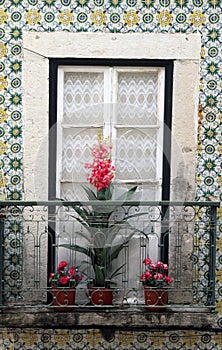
(125, 105)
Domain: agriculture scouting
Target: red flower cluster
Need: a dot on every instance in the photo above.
(62, 265)
(102, 169)
(155, 274)
(65, 276)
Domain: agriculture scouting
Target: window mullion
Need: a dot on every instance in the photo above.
(107, 102)
(160, 118)
(60, 108)
(114, 94)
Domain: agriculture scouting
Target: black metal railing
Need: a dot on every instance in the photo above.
(35, 236)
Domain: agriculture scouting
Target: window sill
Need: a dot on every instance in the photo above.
(100, 317)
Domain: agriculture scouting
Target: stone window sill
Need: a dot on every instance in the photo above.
(100, 317)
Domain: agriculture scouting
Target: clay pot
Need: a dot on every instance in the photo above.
(155, 298)
(63, 297)
(100, 295)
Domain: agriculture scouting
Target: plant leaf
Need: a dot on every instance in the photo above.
(77, 248)
(99, 275)
(109, 192)
(117, 271)
(128, 193)
(90, 194)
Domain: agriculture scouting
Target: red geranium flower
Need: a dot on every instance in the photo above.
(64, 280)
(62, 265)
(168, 279)
(158, 276)
(155, 274)
(148, 275)
(65, 276)
(147, 261)
(72, 271)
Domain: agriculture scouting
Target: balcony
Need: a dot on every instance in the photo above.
(34, 237)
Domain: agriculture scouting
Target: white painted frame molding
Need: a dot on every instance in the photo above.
(184, 49)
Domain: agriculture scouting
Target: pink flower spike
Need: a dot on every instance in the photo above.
(101, 170)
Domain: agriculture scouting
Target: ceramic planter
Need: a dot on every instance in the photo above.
(100, 295)
(63, 297)
(155, 298)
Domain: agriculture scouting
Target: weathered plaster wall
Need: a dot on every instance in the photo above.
(152, 16)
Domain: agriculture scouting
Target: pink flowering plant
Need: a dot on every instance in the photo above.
(155, 274)
(102, 223)
(102, 171)
(65, 276)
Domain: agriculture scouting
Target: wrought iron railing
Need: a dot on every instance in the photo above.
(34, 237)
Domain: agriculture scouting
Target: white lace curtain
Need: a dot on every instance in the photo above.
(126, 104)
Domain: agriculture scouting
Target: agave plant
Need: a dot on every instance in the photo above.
(102, 225)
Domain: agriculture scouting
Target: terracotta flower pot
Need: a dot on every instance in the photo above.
(63, 297)
(100, 295)
(155, 298)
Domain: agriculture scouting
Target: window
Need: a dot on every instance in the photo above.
(128, 103)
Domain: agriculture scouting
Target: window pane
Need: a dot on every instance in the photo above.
(73, 191)
(137, 98)
(83, 97)
(76, 152)
(136, 154)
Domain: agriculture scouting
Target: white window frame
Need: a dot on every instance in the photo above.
(110, 127)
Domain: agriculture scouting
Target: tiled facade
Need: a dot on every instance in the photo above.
(120, 16)
(97, 340)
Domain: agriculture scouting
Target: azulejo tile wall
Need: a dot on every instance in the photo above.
(96, 340)
(174, 16)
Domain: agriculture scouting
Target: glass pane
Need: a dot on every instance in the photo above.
(74, 191)
(76, 152)
(83, 97)
(137, 98)
(136, 155)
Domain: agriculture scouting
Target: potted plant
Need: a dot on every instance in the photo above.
(155, 280)
(102, 226)
(63, 283)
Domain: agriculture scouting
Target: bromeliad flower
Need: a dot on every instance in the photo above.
(102, 170)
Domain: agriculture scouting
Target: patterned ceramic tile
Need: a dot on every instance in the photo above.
(175, 16)
(120, 340)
